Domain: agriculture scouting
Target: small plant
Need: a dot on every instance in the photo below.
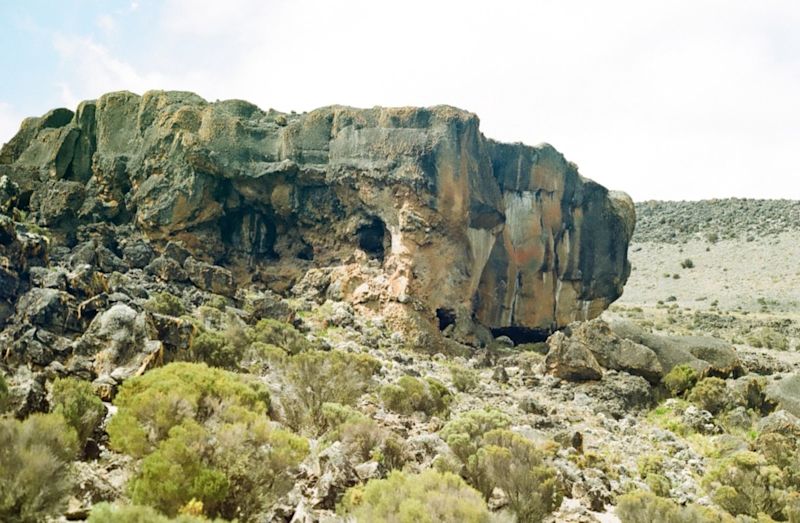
(3, 394)
(215, 349)
(712, 394)
(108, 513)
(746, 484)
(280, 334)
(81, 408)
(644, 507)
(316, 377)
(411, 395)
(464, 379)
(165, 303)
(35, 461)
(687, 264)
(429, 497)
(514, 464)
(680, 379)
(464, 435)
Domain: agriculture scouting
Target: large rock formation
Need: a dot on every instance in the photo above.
(403, 210)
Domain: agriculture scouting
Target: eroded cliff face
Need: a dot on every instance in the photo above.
(410, 211)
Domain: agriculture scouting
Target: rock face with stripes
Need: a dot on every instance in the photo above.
(407, 212)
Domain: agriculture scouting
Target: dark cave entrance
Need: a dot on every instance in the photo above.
(446, 318)
(373, 238)
(521, 335)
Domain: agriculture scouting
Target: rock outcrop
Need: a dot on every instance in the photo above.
(411, 211)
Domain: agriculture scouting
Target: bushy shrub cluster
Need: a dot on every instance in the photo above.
(75, 400)
(35, 459)
(747, 484)
(3, 394)
(409, 395)
(204, 437)
(113, 513)
(165, 303)
(429, 497)
(464, 379)
(314, 378)
(713, 395)
(645, 507)
(279, 334)
(492, 457)
(362, 437)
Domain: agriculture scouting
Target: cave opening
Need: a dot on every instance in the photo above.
(446, 318)
(521, 335)
(373, 238)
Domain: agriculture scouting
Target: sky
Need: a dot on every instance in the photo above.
(669, 99)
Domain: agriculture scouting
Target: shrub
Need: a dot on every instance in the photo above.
(205, 438)
(108, 513)
(746, 484)
(316, 377)
(151, 404)
(515, 465)
(429, 497)
(81, 408)
(712, 394)
(680, 379)
(165, 303)
(411, 395)
(215, 349)
(645, 507)
(687, 264)
(766, 337)
(35, 457)
(464, 436)
(464, 379)
(362, 437)
(280, 334)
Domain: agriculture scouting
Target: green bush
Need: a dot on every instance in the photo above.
(280, 334)
(214, 349)
(315, 378)
(746, 484)
(205, 439)
(514, 464)
(35, 459)
(151, 404)
(687, 264)
(645, 507)
(680, 379)
(165, 303)
(429, 497)
(464, 435)
(108, 513)
(411, 395)
(712, 394)
(769, 338)
(76, 402)
(464, 379)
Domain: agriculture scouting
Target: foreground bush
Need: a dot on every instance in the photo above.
(204, 436)
(317, 377)
(464, 435)
(746, 484)
(409, 395)
(429, 497)
(165, 303)
(81, 408)
(279, 334)
(108, 513)
(35, 457)
(464, 379)
(514, 464)
(644, 507)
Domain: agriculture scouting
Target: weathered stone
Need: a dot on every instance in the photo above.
(571, 359)
(166, 269)
(55, 310)
(416, 204)
(785, 392)
(137, 254)
(210, 278)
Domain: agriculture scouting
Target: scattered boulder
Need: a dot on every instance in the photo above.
(785, 393)
(209, 277)
(572, 359)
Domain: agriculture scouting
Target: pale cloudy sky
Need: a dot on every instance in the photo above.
(670, 99)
